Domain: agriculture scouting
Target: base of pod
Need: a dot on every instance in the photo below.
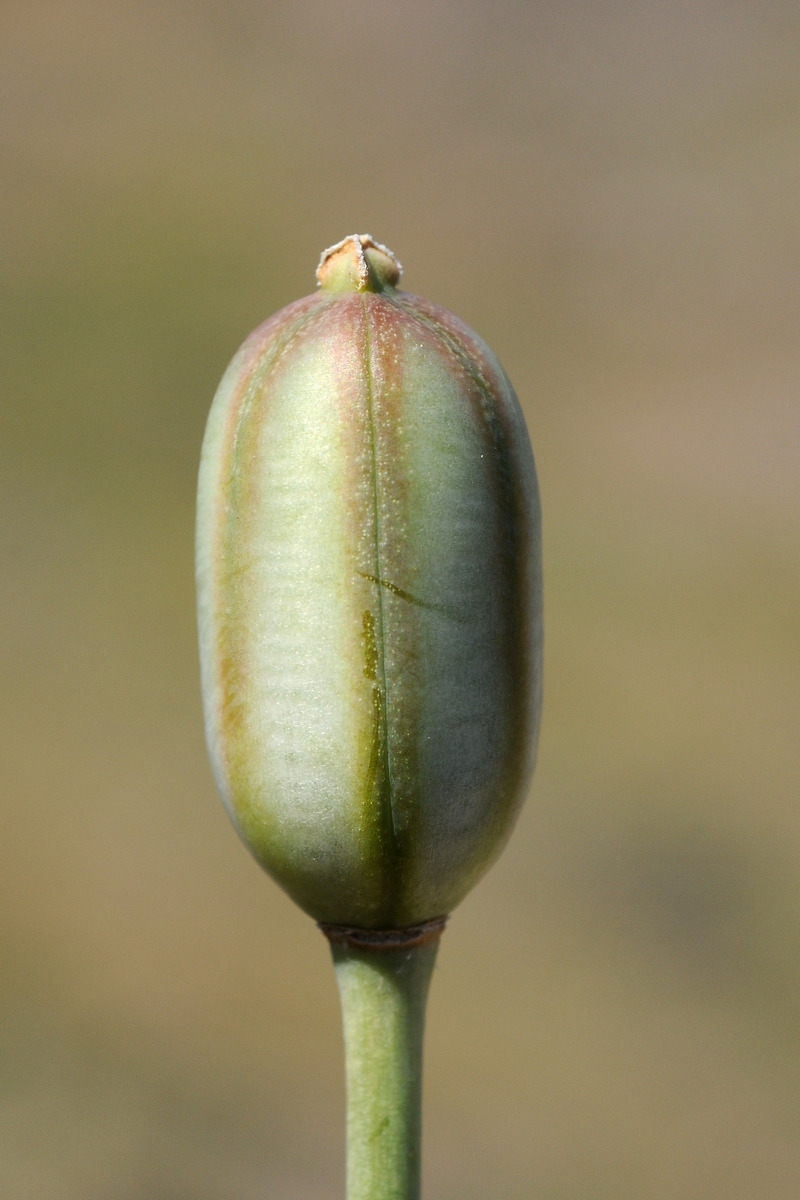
(385, 939)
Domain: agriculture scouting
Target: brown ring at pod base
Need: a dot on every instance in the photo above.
(385, 939)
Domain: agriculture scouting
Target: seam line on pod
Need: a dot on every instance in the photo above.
(219, 535)
(379, 589)
(453, 342)
(501, 433)
(237, 425)
(495, 417)
(235, 434)
(271, 359)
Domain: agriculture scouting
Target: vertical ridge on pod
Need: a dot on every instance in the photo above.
(381, 624)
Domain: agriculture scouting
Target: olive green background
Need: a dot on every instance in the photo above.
(608, 193)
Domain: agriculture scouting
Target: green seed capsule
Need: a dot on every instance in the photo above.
(368, 566)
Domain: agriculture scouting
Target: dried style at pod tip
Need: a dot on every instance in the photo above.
(369, 579)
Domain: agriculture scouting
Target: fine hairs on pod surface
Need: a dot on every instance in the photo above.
(370, 619)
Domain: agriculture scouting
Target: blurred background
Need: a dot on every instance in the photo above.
(608, 193)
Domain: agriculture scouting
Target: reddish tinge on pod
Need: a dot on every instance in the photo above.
(368, 566)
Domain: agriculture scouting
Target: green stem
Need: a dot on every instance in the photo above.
(383, 994)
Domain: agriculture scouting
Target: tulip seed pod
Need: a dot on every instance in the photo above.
(369, 587)
(368, 563)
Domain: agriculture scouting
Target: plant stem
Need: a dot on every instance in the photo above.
(383, 994)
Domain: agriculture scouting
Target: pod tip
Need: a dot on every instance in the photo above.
(358, 264)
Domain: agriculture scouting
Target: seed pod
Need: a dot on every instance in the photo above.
(368, 566)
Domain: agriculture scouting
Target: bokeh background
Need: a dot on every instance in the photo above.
(608, 192)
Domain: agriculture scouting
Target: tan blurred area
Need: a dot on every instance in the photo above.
(608, 193)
